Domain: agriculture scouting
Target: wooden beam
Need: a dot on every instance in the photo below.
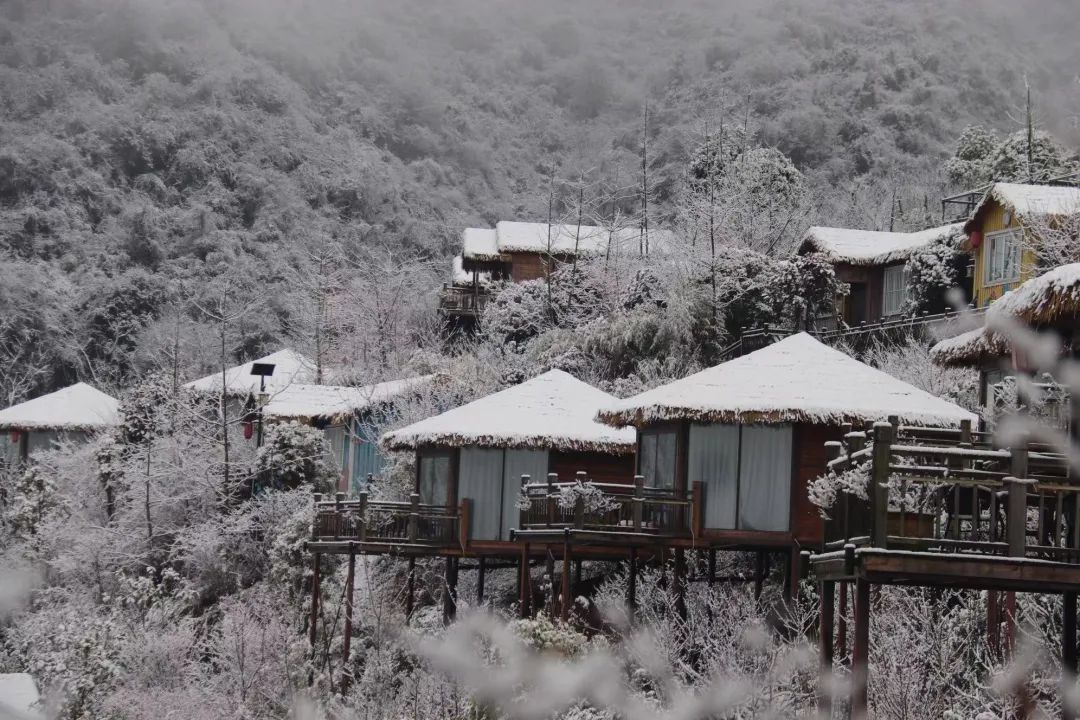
(481, 567)
(860, 654)
(841, 630)
(712, 566)
(631, 584)
(410, 589)
(759, 573)
(680, 583)
(350, 580)
(567, 588)
(826, 621)
(525, 586)
(1068, 654)
(450, 591)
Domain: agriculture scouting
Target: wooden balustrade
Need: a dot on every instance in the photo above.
(382, 521)
(951, 491)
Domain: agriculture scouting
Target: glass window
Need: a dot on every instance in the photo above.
(896, 283)
(657, 461)
(434, 485)
(1002, 257)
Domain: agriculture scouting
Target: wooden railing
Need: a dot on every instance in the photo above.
(381, 521)
(462, 300)
(582, 504)
(953, 491)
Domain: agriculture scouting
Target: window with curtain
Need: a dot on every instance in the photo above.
(746, 471)
(657, 459)
(533, 463)
(434, 477)
(480, 478)
(1002, 257)
(896, 281)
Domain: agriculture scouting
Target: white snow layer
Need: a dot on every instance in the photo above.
(459, 276)
(76, 407)
(968, 348)
(532, 237)
(554, 411)
(301, 400)
(289, 367)
(795, 380)
(19, 696)
(1041, 296)
(1034, 200)
(871, 247)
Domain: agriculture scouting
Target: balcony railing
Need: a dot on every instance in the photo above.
(952, 491)
(462, 300)
(586, 505)
(385, 522)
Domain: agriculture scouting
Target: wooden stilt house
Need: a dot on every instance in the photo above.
(476, 455)
(70, 414)
(745, 438)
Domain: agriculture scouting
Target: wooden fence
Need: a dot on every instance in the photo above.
(386, 522)
(952, 491)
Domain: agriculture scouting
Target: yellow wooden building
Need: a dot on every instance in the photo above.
(1003, 232)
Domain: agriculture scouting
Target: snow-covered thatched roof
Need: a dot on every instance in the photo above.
(289, 367)
(969, 349)
(301, 400)
(795, 380)
(459, 276)
(1043, 300)
(1030, 201)
(480, 244)
(76, 407)
(553, 411)
(871, 247)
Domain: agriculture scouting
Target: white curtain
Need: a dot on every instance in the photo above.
(533, 463)
(765, 477)
(480, 478)
(713, 459)
(657, 462)
(335, 438)
(434, 478)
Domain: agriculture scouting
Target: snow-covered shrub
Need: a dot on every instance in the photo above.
(825, 489)
(545, 635)
(935, 270)
(971, 164)
(592, 497)
(33, 499)
(296, 454)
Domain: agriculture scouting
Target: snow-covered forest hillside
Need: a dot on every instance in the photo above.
(189, 185)
(149, 148)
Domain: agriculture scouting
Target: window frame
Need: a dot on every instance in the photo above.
(1013, 236)
(901, 293)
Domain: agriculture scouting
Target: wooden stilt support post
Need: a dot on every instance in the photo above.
(525, 588)
(1068, 655)
(841, 629)
(481, 568)
(410, 589)
(759, 573)
(567, 588)
(993, 622)
(350, 580)
(549, 570)
(631, 584)
(860, 653)
(680, 582)
(825, 645)
(577, 573)
(449, 604)
(793, 573)
(313, 628)
(313, 622)
(712, 566)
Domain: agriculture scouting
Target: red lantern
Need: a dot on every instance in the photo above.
(15, 437)
(975, 239)
(249, 429)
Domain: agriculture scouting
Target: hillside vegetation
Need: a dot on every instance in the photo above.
(147, 148)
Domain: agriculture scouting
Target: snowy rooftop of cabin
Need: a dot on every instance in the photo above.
(534, 237)
(309, 401)
(460, 276)
(1031, 201)
(872, 247)
(798, 379)
(554, 411)
(1042, 299)
(290, 367)
(76, 407)
(969, 348)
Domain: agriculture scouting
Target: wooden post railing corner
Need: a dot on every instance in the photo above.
(638, 501)
(361, 512)
(878, 490)
(414, 516)
(464, 520)
(579, 512)
(697, 507)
